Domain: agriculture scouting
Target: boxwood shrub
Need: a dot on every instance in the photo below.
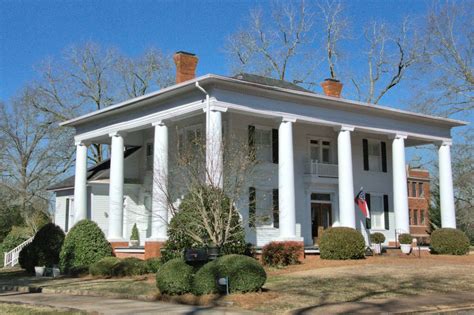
(204, 281)
(174, 277)
(377, 238)
(116, 267)
(405, 238)
(245, 273)
(153, 264)
(282, 253)
(84, 245)
(342, 243)
(105, 267)
(448, 241)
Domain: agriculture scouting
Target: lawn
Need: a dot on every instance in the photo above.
(316, 282)
(15, 309)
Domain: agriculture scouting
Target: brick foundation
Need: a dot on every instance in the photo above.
(153, 249)
(117, 244)
(126, 255)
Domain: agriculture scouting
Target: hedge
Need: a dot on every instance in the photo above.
(204, 281)
(245, 273)
(153, 264)
(104, 267)
(15, 237)
(448, 241)
(174, 277)
(84, 245)
(282, 253)
(342, 243)
(116, 267)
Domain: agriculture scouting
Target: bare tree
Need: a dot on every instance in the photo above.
(278, 47)
(33, 156)
(89, 78)
(390, 53)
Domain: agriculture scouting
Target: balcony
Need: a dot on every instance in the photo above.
(323, 169)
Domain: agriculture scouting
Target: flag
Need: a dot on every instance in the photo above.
(360, 201)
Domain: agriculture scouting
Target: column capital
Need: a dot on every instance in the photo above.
(344, 128)
(288, 119)
(163, 122)
(448, 142)
(216, 108)
(117, 134)
(398, 136)
(80, 142)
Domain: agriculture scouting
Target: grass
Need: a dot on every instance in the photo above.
(23, 309)
(314, 283)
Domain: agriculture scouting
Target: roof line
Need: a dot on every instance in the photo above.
(206, 77)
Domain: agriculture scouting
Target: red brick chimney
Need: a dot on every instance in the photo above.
(185, 66)
(332, 87)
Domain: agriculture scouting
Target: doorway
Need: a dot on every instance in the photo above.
(321, 215)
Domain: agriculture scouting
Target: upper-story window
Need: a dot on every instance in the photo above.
(263, 143)
(320, 151)
(375, 155)
(190, 140)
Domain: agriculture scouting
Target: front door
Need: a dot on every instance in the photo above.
(321, 219)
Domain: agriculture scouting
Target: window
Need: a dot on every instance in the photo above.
(377, 215)
(263, 144)
(190, 140)
(375, 156)
(320, 151)
(413, 189)
(420, 190)
(149, 156)
(66, 223)
(263, 207)
(415, 217)
(422, 217)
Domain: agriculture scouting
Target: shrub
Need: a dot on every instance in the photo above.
(282, 253)
(448, 241)
(135, 235)
(377, 238)
(47, 245)
(245, 273)
(27, 258)
(405, 238)
(174, 277)
(84, 245)
(342, 243)
(15, 237)
(204, 281)
(153, 264)
(188, 219)
(104, 267)
(131, 266)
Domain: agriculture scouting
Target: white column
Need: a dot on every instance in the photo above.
(448, 213)
(400, 193)
(116, 189)
(346, 182)
(80, 183)
(214, 149)
(159, 216)
(286, 181)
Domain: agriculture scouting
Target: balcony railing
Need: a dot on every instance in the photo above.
(323, 169)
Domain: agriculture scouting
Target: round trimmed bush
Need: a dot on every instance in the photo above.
(84, 245)
(342, 243)
(448, 241)
(204, 281)
(245, 273)
(47, 245)
(27, 258)
(377, 238)
(405, 238)
(282, 253)
(104, 267)
(174, 277)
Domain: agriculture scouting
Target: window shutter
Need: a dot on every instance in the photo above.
(251, 140)
(252, 206)
(385, 212)
(275, 145)
(276, 214)
(368, 223)
(66, 223)
(365, 146)
(383, 146)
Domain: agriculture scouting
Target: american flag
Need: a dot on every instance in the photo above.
(360, 201)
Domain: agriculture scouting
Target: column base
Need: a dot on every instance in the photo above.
(153, 248)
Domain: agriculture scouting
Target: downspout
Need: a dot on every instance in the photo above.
(208, 105)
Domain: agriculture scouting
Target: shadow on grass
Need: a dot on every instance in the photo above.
(334, 291)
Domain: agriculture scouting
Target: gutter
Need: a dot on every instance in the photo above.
(208, 103)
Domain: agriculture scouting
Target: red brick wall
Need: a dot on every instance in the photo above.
(417, 202)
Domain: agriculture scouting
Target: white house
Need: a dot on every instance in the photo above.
(316, 151)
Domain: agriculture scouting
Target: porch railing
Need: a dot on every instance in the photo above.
(323, 169)
(10, 258)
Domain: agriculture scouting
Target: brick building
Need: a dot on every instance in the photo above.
(418, 183)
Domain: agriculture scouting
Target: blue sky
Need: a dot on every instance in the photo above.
(31, 31)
